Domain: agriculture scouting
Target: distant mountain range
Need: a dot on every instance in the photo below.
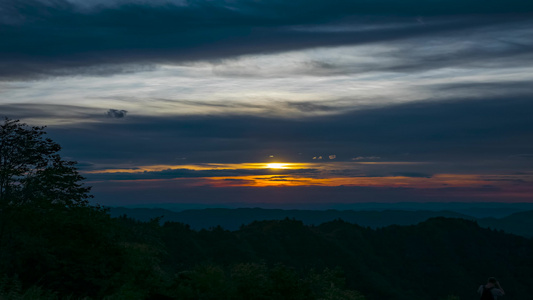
(475, 209)
(519, 223)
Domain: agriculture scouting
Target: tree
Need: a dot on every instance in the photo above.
(49, 234)
(32, 171)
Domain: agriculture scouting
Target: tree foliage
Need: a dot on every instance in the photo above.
(33, 172)
(49, 234)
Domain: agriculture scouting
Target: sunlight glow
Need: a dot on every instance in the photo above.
(277, 166)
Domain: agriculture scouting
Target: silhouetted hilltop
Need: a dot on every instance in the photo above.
(520, 223)
(231, 219)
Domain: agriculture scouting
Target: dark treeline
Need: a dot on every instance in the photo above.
(431, 260)
(88, 254)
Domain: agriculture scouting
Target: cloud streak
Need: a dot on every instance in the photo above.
(54, 38)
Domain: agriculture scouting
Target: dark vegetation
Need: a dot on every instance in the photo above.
(54, 245)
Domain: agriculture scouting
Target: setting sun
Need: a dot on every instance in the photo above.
(276, 166)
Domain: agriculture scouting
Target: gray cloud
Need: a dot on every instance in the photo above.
(116, 113)
(412, 174)
(273, 107)
(46, 112)
(366, 158)
(487, 89)
(54, 38)
(312, 107)
(498, 46)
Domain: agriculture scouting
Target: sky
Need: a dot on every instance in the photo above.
(276, 103)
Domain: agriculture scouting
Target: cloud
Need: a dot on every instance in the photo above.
(412, 174)
(487, 89)
(54, 38)
(117, 114)
(239, 181)
(188, 173)
(281, 107)
(50, 114)
(457, 135)
(366, 158)
(492, 46)
(311, 107)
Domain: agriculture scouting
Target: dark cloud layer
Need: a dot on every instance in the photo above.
(43, 38)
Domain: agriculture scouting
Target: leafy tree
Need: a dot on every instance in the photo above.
(33, 172)
(49, 234)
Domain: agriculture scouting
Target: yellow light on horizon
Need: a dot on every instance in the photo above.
(276, 166)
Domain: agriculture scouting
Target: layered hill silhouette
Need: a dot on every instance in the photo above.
(520, 223)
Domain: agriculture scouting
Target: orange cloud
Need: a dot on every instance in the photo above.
(438, 181)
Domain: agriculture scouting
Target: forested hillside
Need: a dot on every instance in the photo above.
(430, 260)
(88, 254)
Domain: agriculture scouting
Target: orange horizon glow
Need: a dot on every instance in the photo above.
(464, 185)
(437, 181)
(325, 175)
(246, 166)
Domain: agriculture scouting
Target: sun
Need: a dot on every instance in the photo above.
(276, 166)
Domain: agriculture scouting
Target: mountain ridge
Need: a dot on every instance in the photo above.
(520, 223)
